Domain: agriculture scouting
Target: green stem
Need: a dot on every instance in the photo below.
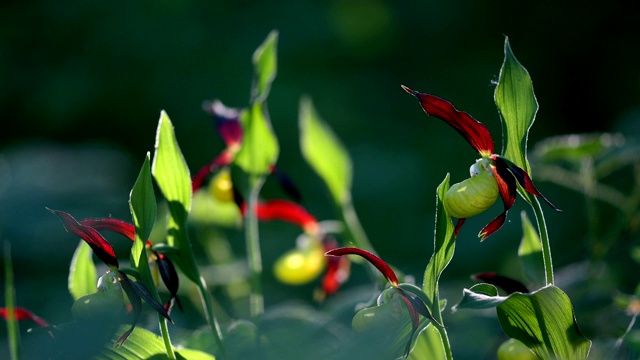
(444, 337)
(256, 299)
(544, 240)
(207, 305)
(354, 227)
(165, 338)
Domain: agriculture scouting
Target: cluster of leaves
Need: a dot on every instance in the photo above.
(401, 320)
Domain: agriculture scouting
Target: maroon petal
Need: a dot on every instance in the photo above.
(524, 179)
(507, 284)
(458, 226)
(136, 304)
(118, 226)
(287, 184)
(227, 121)
(415, 318)
(382, 266)
(287, 211)
(91, 236)
(24, 314)
(338, 269)
(170, 279)
(475, 132)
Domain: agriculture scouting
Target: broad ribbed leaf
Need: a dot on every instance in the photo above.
(324, 152)
(530, 251)
(265, 62)
(517, 105)
(444, 246)
(83, 277)
(142, 203)
(172, 176)
(260, 147)
(143, 344)
(170, 169)
(543, 320)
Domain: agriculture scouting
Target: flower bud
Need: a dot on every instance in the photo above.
(471, 196)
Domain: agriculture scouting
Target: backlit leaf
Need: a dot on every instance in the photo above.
(83, 277)
(517, 105)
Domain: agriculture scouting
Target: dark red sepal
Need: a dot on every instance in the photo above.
(382, 266)
(523, 179)
(24, 314)
(136, 304)
(118, 226)
(286, 210)
(472, 130)
(507, 189)
(507, 284)
(170, 279)
(100, 246)
(227, 121)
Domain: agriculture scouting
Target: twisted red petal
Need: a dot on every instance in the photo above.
(524, 179)
(475, 132)
(118, 226)
(382, 266)
(170, 279)
(286, 211)
(225, 158)
(507, 188)
(99, 245)
(24, 314)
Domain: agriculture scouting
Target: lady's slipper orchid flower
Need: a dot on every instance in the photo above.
(227, 122)
(168, 271)
(415, 306)
(24, 314)
(491, 175)
(136, 291)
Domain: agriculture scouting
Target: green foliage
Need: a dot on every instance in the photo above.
(517, 105)
(324, 152)
(530, 251)
(543, 320)
(82, 272)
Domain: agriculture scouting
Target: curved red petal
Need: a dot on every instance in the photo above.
(24, 314)
(287, 211)
(507, 189)
(382, 266)
(475, 132)
(223, 159)
(524, 180)
(118, 226)
(91, 236)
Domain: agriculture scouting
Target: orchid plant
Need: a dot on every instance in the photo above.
(396, 319)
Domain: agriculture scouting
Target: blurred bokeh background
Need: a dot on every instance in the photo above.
(82, 85)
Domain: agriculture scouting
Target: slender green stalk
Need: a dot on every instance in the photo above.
(13, 330)
(444, 337)
(252, 238)
(354, 227)
(544, 240)
(165, 338)
(207, 305)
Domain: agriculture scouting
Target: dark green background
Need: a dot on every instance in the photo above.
(82, 85)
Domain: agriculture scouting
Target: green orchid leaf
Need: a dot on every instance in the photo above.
(530, 251)
(543, 320)
(518, 107)
(260, 149)
(444, 247)
(428, 346)
(265, 62)
(142, 203)
(171, 173)
(479, 296)
(373, 325)
(324, 152)
(83, 277)
(143, 344)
